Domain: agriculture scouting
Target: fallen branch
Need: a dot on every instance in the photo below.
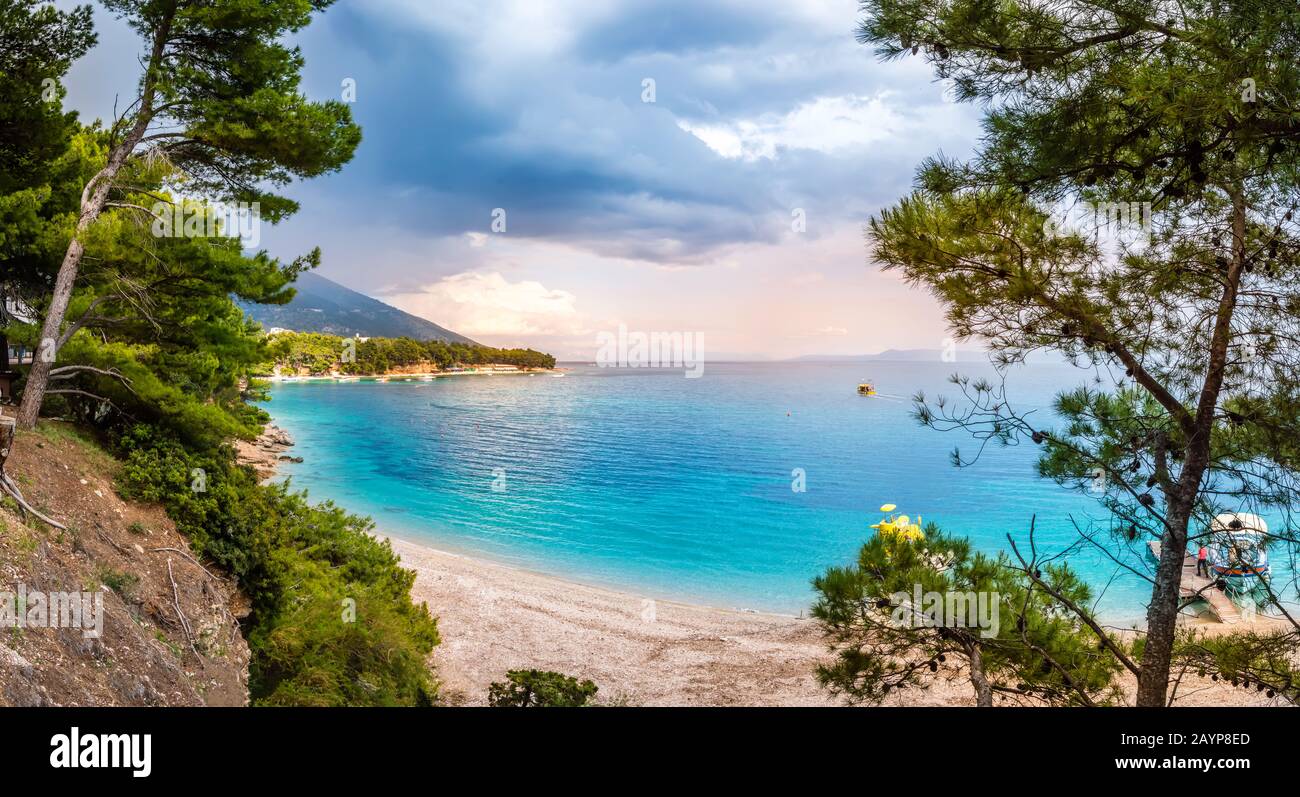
(185, 624)
(12, 490)
(214, 576)
(109, 540)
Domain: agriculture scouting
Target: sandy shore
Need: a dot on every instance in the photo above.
(495, 618)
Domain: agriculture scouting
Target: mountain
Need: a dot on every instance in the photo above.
(322, 305)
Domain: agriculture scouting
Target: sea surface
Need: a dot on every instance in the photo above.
(683, 489)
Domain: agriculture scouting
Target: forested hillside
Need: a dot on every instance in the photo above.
(317, 354)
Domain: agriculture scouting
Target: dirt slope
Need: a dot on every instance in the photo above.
(146, 655)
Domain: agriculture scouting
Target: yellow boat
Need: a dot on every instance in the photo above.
(867, 389)
(901, 526)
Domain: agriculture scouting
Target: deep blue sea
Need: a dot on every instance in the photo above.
(675, 488)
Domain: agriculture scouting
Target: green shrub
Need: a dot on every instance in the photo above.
(526, 688)
(332, 621)
(121, 583)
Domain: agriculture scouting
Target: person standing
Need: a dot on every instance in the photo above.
(1202, 561)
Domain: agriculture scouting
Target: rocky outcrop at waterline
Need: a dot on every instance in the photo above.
(265, 453)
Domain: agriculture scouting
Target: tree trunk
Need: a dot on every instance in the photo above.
(1162, 613)
(93, 198)
(38, 377)
(979, 680)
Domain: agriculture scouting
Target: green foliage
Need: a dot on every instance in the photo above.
(1104, 107)
(120, 582)
(320, 354)
(542, 688)
(1024, 645)
(39, 174)
(229, 81)
(332, 620)
(1259, 661)
(154, 335)
(1185, 322)
(38, 43)
(219, 115)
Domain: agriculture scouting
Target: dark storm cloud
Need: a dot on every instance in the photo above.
(465, 109)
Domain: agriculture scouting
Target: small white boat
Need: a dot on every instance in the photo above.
(1237, 554)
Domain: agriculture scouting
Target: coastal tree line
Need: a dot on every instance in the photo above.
(318, 353)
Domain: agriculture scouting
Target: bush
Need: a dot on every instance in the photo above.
(332, 621)
(525, 688)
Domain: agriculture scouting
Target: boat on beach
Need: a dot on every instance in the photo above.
(1237, 556)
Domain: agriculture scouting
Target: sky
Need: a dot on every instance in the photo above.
(695, 166)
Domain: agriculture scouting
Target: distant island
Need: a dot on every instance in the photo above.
(892, 355)
(919, 355)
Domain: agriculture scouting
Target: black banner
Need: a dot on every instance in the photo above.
(154, 747)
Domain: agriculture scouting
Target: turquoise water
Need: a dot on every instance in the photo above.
(674, 488)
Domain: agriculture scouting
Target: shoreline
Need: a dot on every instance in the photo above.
(265, 453)
(402, 376)
(494, 617)
(639, 651)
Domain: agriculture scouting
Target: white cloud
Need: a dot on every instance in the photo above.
(825, 124)
(489, 304)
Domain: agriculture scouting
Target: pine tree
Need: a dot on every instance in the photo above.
(909, 612)
(219, 101)
(37, 45)
(1188, 317)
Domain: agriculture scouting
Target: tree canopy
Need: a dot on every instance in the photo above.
(1185, 312)
(909, 612)
(219, 104)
